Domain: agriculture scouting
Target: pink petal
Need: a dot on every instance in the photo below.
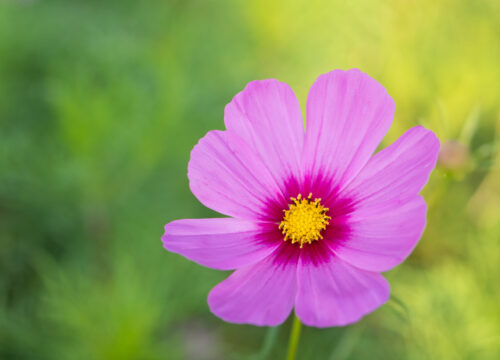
(348, 114)
(334, 293)
(266, 114)
(389, 217)
(262, 294)
(221, 243)
(227, 176)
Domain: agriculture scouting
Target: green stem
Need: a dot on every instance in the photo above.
(294, 338)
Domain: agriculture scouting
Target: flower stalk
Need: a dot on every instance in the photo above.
(293, 342)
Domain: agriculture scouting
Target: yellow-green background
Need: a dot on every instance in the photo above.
(100, 104)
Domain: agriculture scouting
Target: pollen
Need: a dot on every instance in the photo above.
(304, 220)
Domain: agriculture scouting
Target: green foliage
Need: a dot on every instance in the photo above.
(100, 104)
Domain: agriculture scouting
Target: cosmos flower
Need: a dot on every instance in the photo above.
(314, 216)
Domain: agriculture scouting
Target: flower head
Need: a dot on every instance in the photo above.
(314, 216)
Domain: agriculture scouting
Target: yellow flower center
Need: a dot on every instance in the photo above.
(304, 220)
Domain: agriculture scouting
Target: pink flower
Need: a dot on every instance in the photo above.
(314, 216)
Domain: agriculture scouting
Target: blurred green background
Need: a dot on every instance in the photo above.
(100, 105)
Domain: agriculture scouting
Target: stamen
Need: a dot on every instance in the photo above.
(304, 220)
